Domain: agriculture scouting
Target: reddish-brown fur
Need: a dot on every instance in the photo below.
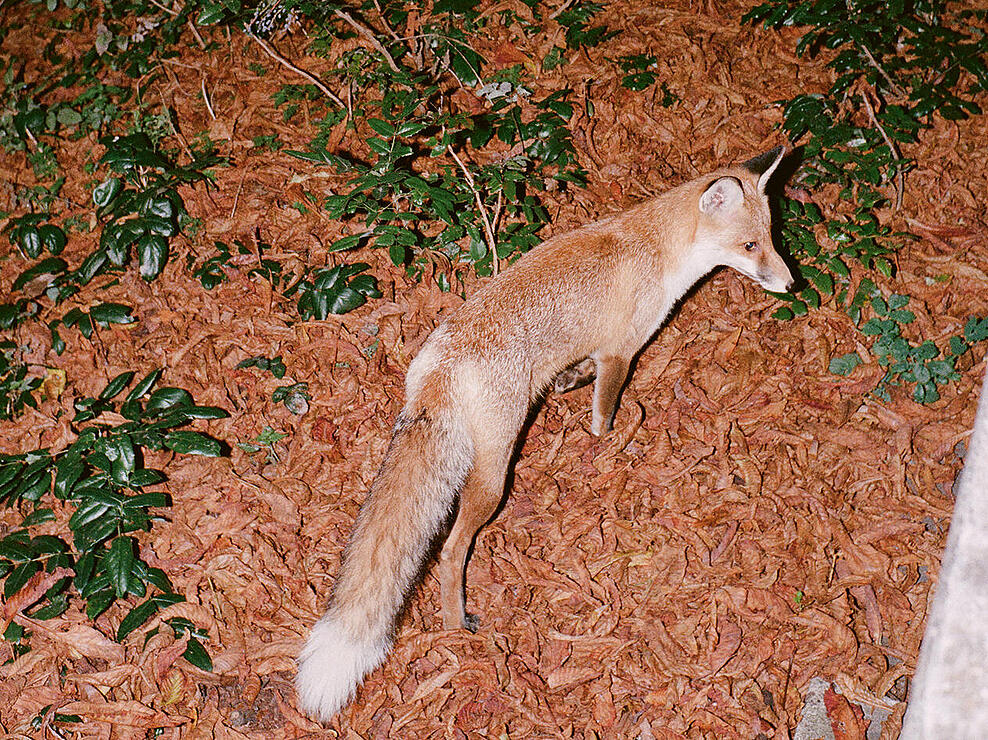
(597, 293)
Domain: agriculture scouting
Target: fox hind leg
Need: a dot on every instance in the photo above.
(576, 376)
(479, 499)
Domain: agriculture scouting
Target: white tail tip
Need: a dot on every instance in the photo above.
(331, 667)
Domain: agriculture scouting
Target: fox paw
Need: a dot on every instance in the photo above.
(576, 376)
(471, 622)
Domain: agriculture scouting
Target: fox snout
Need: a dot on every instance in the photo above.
(776, 283)
(771, 271)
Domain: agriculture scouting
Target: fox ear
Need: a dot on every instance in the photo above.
(764, 165)
(722, 196)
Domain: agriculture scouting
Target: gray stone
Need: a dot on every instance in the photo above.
(949, 695)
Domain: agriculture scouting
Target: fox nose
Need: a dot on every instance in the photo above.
(789, 284)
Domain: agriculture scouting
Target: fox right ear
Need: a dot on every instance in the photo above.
(764, 165)
(722, 196)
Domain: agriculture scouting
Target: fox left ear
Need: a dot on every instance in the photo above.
(764, 165)
(722, 196)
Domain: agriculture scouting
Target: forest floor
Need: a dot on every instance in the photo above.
(752, 522)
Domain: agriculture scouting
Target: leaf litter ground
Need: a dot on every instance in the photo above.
(752, 522)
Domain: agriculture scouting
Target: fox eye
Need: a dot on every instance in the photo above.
(750, 246)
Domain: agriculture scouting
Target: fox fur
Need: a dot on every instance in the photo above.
(596, 294)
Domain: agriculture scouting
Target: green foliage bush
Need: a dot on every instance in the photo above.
(101, 478)
(898, 66)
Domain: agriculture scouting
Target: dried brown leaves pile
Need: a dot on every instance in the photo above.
(752, 522)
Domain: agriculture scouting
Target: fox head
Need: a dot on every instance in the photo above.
(735, 222)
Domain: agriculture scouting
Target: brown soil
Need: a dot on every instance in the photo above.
(752, 522)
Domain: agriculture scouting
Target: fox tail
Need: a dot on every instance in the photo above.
(411, 497)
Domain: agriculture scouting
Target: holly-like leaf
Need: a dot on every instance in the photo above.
(192, 443)
(111, 313)
(106, 191)
(152, 254)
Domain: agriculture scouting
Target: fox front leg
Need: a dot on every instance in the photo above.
(612, 372)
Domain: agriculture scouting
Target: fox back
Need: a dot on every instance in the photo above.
(606, 287)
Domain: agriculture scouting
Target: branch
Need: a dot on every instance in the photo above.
(899, 185)
(560, 10)
(273, 53)
(874, 62)
(369, 35)
(488, 230)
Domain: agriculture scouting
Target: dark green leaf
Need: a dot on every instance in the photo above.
(111, 313)
(68, 470)
(18, 577)
(137, 616)
(29, 241)
(119, 564)
(152, 254)
(927, 350)
(145, 385)
(196, 654)
(382, 127)
(47, 266)
(167, 398)
(38, 516)
(347, 242)
(192, 443)
(346, 300)
(53, 238)
(98, 602)
(145, 477)
(121, 381)
(106, 191)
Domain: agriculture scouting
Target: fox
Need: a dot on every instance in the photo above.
(579, 306)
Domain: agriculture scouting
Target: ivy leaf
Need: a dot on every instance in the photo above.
(844, 364)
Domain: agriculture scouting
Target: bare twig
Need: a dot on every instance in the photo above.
(173, 13)
(274, 54)
(384, 22)
(205, 97)
(488, 229)
(881, 70)
(560, 10)
(369, 35)
(236, 198)
(899, 184)
(495, 222)
(198, 37)
(174, 128)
